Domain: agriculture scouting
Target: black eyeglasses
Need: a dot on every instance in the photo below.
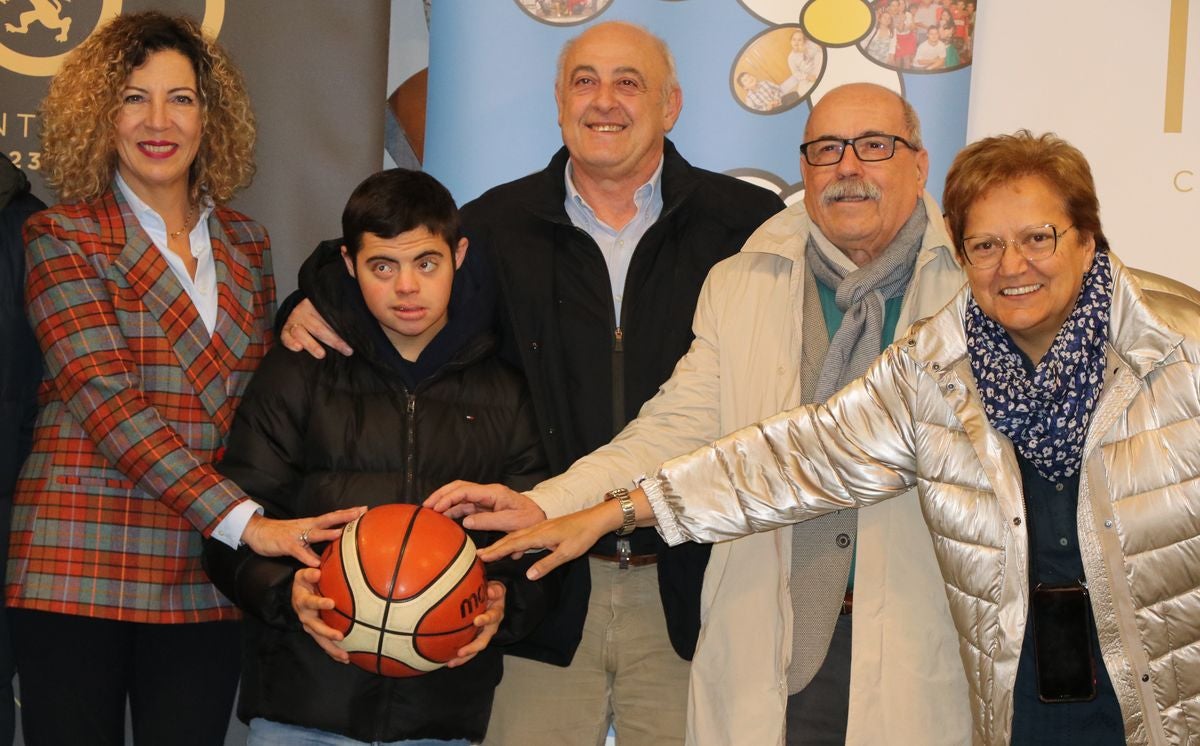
(826, 151)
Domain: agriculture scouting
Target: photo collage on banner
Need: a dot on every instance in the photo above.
(750, 72)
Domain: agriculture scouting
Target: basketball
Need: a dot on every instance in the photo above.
(406, 587)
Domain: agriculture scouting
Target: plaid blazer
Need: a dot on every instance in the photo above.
(119, 490)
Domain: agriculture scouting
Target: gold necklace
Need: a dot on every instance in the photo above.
(186, 222)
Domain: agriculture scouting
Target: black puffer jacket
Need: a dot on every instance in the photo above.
(317, 435)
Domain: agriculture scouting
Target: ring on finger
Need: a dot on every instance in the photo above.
(304, 536)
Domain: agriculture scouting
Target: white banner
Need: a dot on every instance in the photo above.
(1121, 82)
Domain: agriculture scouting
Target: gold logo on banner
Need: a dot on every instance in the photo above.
(46, 12)
(53, 15)
(1176, 64)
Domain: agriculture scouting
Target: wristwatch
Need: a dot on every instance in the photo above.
(621, 495)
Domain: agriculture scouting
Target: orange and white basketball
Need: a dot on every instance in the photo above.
(407, 588)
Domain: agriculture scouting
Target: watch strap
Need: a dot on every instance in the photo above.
(628, 515)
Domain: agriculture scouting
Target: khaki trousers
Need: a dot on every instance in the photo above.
(625, 674)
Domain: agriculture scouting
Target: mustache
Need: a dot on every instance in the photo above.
(852, 189)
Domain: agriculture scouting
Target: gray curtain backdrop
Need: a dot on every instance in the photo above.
(316, 71)
(317, 74)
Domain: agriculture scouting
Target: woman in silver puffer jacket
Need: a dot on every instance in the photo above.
(1050, 419)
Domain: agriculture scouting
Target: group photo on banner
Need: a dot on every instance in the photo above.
(625, 372)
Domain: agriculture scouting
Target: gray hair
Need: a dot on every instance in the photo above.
(912, 123)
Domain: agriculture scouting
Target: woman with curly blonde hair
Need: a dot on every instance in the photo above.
(152, 304)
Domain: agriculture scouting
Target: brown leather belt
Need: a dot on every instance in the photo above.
(630, 560)
(848, 603)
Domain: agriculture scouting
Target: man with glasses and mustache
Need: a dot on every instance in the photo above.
(809, 302)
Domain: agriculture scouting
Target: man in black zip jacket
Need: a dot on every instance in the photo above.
(598, 261)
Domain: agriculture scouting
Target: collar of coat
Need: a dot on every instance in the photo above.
(786, 233)
(1149, 319)
(547, 202)
(116, 233)
(132, 253)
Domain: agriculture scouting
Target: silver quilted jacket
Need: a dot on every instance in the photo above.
(915, 419)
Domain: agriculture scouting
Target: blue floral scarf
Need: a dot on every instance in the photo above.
(1046, 414)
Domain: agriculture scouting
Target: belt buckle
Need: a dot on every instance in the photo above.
(624, 552)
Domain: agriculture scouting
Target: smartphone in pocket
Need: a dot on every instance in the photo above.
(1062, 637)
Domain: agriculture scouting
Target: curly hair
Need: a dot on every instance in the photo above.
(998, 160)
(79, 113)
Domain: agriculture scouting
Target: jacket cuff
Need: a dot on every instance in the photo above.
(668, 527)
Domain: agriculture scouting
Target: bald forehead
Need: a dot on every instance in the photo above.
(620, 45)
(616, 30)
(857, 109)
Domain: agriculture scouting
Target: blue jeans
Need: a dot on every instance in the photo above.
(270, 733)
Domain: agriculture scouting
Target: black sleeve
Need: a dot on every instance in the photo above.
(264, 457)
(327, 252)
(526, 600)
(476, 226)
(260, 586)
(21, 364)
(526, 464)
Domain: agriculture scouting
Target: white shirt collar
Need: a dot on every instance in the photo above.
(151, 221)
(646, 194)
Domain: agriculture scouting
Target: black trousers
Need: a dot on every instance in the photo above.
(816, 715)
(76, 673)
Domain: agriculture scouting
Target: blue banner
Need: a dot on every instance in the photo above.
(491, 113)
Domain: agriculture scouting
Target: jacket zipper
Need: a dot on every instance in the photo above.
(410, 436)
(617, 357)
(618, 379)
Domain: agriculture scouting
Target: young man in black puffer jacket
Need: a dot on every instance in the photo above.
(423, 400)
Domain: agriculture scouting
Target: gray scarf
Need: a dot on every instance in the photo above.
(861, 295)
(823, 548)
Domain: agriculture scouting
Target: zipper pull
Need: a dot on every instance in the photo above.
(618, 337)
